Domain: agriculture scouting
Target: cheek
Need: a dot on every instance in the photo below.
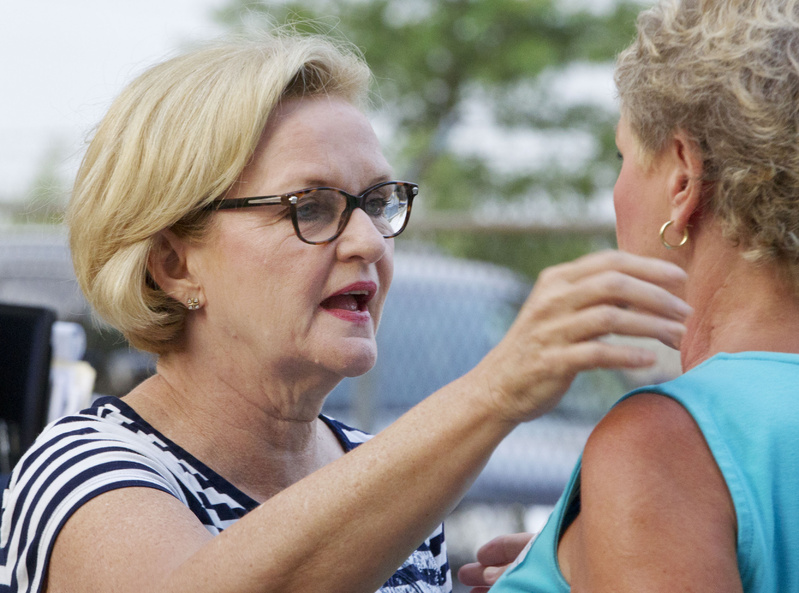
(627, 205)
(385, 267)
(620, 199)
(621, 193)
(385, 272)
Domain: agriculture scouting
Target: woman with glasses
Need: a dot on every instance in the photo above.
(235, 215)
(692, 485)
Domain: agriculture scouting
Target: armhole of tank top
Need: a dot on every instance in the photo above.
(572, 508)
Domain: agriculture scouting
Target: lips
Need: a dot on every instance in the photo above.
(351, 302)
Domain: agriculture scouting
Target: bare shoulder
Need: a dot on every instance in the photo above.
(656, 512)
(640, 426)
(132, 538)
(648, 449)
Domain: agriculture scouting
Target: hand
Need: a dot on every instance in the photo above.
(556, 334)
(492, 560)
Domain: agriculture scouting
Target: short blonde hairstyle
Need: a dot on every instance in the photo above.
(176, 138)
(727, 74)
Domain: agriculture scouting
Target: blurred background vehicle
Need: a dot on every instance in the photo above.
(442, 316)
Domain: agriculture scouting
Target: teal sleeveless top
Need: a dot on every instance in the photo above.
(747, 407)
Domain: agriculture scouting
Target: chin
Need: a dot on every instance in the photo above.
(358, 368)
(356, 360)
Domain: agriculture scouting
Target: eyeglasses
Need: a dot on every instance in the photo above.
(320, 214)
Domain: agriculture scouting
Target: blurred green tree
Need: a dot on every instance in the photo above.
(46, 197)
(472, 99)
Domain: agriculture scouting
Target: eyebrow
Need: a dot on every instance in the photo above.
(311, 182)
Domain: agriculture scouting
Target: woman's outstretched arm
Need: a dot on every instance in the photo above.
(346, 527)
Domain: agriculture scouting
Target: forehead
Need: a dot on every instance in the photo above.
(313, 115)
(320, 136)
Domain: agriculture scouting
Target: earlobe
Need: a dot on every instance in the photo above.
(168, 267)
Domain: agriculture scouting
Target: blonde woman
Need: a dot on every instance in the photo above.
(235, 215)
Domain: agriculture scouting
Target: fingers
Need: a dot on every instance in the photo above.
(478, 576)
(492, 560)
(610, 292)
(629, 292)
(648, 269)
(613, 278)
(503, 549)
(585, 356)
(601, 320)
(471, 575)
(558, 331)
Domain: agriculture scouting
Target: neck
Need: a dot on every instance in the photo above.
(260, 437)
(738, 305)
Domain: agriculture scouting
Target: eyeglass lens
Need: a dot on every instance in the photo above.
(321, 213)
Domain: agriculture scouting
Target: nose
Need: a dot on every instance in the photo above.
(361, 239)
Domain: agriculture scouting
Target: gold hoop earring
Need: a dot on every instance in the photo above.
(668, 245)
(192, 304)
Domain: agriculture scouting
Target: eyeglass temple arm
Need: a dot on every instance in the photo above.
(225, 204)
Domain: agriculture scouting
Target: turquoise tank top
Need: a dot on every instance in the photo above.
(747, 407)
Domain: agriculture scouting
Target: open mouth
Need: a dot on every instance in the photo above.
(348, 301)
(352, 299)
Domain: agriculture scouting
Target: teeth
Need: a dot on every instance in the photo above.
(358, 292)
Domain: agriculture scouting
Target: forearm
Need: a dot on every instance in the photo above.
(348, 526)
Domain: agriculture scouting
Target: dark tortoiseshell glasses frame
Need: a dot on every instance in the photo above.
(401, 196)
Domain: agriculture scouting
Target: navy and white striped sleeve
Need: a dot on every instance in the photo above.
(427, 569)
(70, 463)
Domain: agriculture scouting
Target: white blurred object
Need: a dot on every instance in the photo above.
(473, 524)
(536, 517)
(71, 379)
(68, 341)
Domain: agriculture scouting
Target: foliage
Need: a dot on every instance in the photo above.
(441, 65)
(46, 197)
(525, 252)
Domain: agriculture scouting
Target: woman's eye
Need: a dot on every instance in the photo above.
(308, 210)
(315, 209)
(376, 206)
(619, 155)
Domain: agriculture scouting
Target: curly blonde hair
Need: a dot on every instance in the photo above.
(176, 138)
(727, 74)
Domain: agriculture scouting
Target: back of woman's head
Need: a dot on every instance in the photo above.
(727, 73)
(176, 138)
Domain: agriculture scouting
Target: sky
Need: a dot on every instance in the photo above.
(63, 61)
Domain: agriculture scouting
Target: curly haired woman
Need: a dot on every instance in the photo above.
(692, 485)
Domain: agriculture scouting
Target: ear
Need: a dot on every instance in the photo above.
(685, 181)
(169, 268)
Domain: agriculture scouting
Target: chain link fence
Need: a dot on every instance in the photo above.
(441, 317)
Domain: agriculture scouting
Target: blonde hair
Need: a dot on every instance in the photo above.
(176, 138)
(727, 74)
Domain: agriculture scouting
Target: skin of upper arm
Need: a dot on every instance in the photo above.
(656, 513)
(125, 540)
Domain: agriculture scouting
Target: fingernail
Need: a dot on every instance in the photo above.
(675, 269)
(677, 335)
(682, 309)
(641, 358)
(492, 573)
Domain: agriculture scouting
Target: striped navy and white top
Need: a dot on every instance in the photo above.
(110, 446)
